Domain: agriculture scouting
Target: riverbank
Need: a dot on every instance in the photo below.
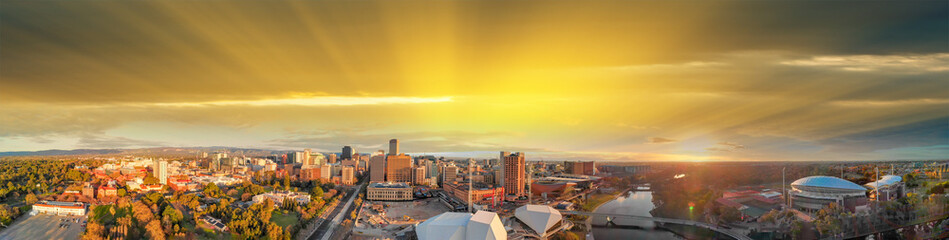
(596, 205)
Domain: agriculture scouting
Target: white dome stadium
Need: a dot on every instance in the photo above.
(826, 184)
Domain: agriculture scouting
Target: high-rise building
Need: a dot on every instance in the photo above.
(326, 171)
(348, 152)
(306, 157)
(347, 175)
(161, 171)
(332, 158)
(513, 168)
(399, 168)
(296, 157)
(379, 152)
(377, 169)
(394, 147)
(419, 176)
(582, 168)
(451, 173)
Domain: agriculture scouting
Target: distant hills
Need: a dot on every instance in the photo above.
(140, 151)
(57, 152)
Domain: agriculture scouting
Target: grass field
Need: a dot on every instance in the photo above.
(102, 214)
(284, 220)
(595, 200)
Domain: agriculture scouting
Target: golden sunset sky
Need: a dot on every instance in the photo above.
(585, 80)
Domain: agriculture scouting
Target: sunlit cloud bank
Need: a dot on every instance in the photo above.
(310, 101)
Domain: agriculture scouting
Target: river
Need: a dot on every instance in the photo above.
(631, 203)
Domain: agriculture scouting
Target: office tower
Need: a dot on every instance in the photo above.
(377, 169)
(399, 168)
(348, 152)
(317, 159)
(378, 153)
(346, 175)
(332, 158)
(514, 173)
(451, 173)
(581, 168)
(306, 157)
(326, 171)
(394, 147)
(419, 175)
(161, 171)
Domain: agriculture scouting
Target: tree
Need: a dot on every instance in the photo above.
(172, 214)
(154, 230)
(316, 192)
(121, 192)
(31, 199)
(212, 190)
(141, 212)
(729, 214)
(150, 179)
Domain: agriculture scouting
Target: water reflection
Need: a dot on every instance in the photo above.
(631, 203)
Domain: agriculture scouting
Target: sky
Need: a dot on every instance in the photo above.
(560, 80)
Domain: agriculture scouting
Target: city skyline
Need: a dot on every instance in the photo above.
(613, 81)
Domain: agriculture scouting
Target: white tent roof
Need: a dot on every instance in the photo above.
(885, 181)
(486, 225)
(447, 226)
(538, 217)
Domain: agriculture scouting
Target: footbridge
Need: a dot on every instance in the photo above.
(715, 228)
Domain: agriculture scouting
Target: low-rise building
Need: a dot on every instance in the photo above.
(389, 192)
(60, 208)
(278, 196)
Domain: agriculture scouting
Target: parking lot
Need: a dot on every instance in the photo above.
(44, 226)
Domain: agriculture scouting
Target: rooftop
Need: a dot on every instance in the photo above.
(827, 182)
(388, 185)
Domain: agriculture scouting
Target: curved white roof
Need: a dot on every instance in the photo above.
(827, 182)
(486, 225)
(538, 217)
(448, 226)
(885, 181)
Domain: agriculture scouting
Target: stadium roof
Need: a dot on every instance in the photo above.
(538, 217)
(447, 226)
(486, 225)
(827, 182)
(885, 181)
(462, 226)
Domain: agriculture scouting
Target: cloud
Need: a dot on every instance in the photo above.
(911, 64)
(105, 141)
(369, 140)
(660, 140)
(309, 101)
(726, 147)
(890, 103)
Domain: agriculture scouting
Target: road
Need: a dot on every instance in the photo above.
(325, 230)
(665, 220)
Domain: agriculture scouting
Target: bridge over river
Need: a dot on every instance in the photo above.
(718, 229)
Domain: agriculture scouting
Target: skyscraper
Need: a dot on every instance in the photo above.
(348, 152)
(377, 169)
(514, 173)
(419, 175)
(346, 175)
(451, 173)
(161, 171)
(394, 147)
(399, 168)
(332, 158)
